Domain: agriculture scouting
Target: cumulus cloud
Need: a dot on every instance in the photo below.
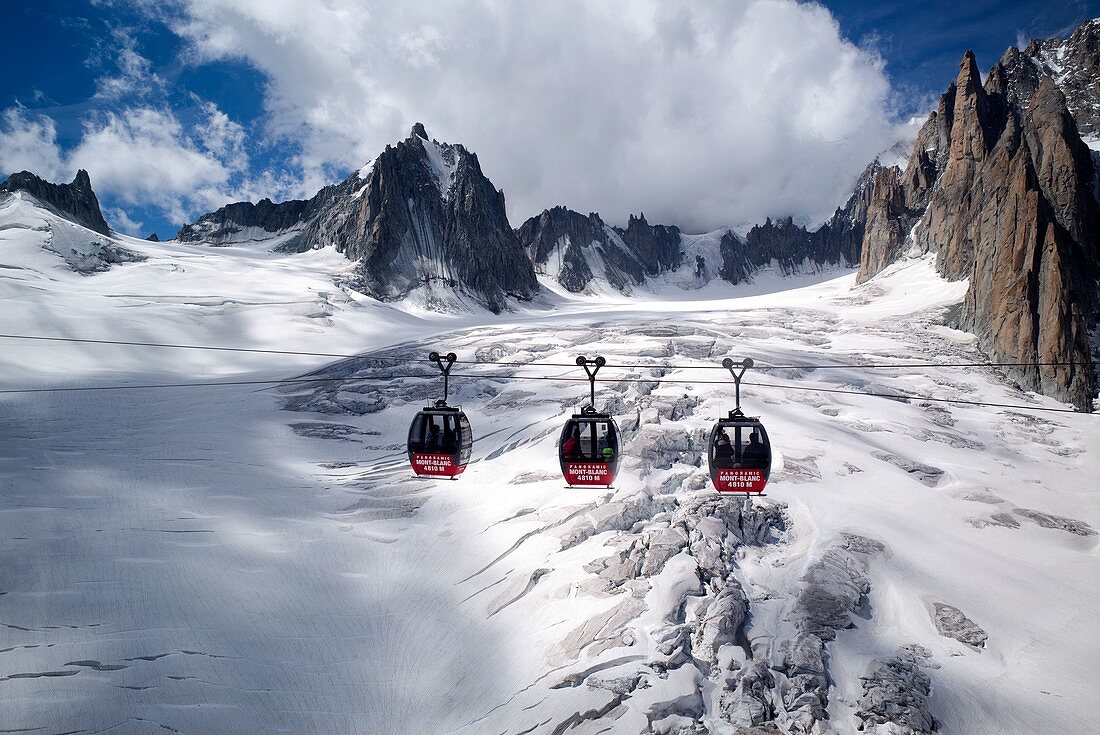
(143, 157)
(138, 157)
(29, 143)
(138, 152)
(704, 114)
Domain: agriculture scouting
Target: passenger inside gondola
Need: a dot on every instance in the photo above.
(754, 454)
(571, 447)
(432, 443)
(595, 442)
(723, 450)
(450, 434)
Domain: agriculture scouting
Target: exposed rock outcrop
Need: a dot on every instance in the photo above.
(75, 201)
(895, 694)
(577, 249)
(422, 214)
(244, 221)
(1001, 187)
(951, 622)
(1075, 63)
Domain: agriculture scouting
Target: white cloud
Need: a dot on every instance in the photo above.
(29, 143)
(120, 220)
(139, 157)
(703, 114)
(133, 73)
(142, 157)
(137, 151)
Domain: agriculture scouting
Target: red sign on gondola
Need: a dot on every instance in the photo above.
(436, 465)
(740, 480)
(588, 473)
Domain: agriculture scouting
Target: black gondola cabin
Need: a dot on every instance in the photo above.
(740, 454)
(589, 449)
(440, 442)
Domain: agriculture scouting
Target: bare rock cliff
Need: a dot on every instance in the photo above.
(1001, 187)
(576, 249)
(76, 201)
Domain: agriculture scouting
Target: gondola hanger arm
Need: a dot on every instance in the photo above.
(591, 367)
(730, 365)
(439, 360)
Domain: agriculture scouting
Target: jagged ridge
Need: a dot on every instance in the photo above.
(577, 249)
(1000, 186)
(75, 201)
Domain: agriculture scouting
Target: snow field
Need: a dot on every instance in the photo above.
(259, 559)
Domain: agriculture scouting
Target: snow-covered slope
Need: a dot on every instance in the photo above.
(257, 558)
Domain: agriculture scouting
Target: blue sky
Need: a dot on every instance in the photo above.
(179, 106)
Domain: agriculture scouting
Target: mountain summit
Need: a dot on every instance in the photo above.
(1001, 187)
(421, 215)
(75, 201)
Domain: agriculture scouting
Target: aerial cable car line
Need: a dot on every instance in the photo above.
(638, 366)
(440, 437)
(552, 378)
(588, 448)
(739, 454)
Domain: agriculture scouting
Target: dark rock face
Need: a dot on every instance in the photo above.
(657, 247)
(425, 213)
(153, 237)
(243, 221)
(579, 249)
(422, 213)
(1001, 187)
(792, 248)
(76, 201)
(1075, 63)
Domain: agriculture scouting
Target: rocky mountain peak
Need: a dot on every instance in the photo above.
(1012, 208)
(1074, 65)
(971, 113)
(424, 217)
(577, 250)
(245, 221)
(82, 181)
(76, 201)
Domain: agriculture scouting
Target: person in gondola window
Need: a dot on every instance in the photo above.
(571, 448)
(754, 454)
(449, 437)
(723, 450)
(434, 439)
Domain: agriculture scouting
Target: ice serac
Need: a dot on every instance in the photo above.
(75, 201)
(577, 250)
(1001, 187)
